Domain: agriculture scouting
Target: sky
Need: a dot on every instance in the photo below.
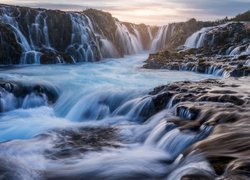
(152, 12)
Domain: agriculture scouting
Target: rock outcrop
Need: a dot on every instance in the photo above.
(190, 61)
(15, 95)
(223, 105)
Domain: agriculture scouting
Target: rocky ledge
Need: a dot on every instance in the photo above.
(223, 105)
(236, 66)
(222, 50)
(16, 94)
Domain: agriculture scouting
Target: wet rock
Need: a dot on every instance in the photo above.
(75, 142)
(13, 93)
(10, 49)
(221, 105)
(240, 71)
(197, 177)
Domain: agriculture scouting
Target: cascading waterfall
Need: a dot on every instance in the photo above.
(75, 41)
(160, 41)
(240, 50)
(150, 33)
(130, 42)
(214, 36)
(197, 39)
(83, 46)
(37, 35)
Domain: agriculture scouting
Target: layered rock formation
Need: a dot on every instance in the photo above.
(187, 61)
(223, 105)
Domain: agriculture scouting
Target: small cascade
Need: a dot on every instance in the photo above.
(8, 101)
(31, 57)
(8, 18)
(150, 33)
(248, 63)
(175, 141)
(161, 38)
(84, 46)
(130, 42)
(34, 100)
(184, 113)
(135, 109)
(108, 49)
(171, 102)
(103, 106)
(216, 69)
(157, 133)
(197, 39)
(229, 50)
(235, 51)
(193, 163)
(37, 31)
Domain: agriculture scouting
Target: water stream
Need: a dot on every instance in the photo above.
(101, 125)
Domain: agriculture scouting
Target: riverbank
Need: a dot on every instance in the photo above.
(234, 66)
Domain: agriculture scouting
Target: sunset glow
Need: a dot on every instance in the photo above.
(148, 11)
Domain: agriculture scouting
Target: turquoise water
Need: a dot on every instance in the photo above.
(81, 86)
(109, 94)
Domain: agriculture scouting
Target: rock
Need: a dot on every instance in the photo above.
(18, 91)
(222, 104)
(240, 71)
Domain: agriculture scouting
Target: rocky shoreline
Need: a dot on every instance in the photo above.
(223, 105)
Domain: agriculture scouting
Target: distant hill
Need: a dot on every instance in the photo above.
(242, 17)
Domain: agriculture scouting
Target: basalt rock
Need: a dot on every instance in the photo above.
(11, 50)
(75, 142)
(184, 61)
(13, 94)
(221, 104)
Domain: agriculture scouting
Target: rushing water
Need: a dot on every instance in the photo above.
(106, 104)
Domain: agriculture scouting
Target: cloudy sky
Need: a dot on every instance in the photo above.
(154, 12)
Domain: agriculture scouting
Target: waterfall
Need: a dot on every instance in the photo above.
(159, 41)
(175, 141)
(248, 63)
(108, 49)
(77, 39)
(196, 40)
(130, 42)
(220, 36)
(150, 33)
(37, 35)
(11, 21)
(83, 46)
(8, 101)
(34, 100)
